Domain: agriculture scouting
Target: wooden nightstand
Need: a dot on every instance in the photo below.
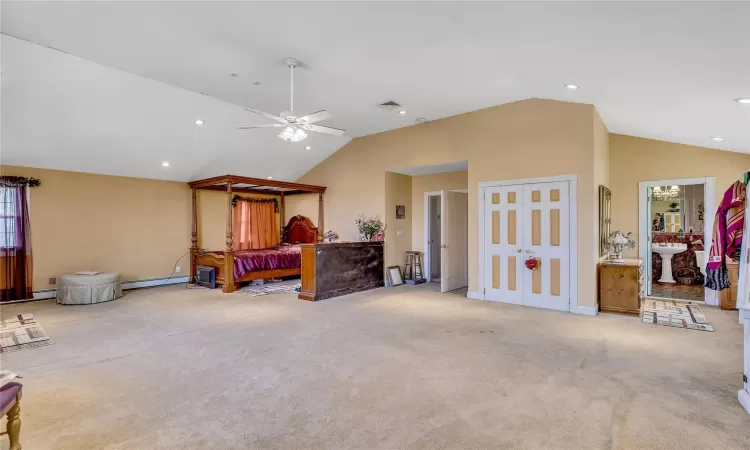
(621, 286)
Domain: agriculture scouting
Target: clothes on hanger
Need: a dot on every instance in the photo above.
(727, 236)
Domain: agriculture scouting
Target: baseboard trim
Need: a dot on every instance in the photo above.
(474, 295)
(744, 397)
(154, 282)
(126, 286)
(584, 310)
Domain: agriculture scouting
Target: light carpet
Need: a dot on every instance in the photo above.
(393, 368)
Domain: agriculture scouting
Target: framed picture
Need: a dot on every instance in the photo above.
(395, 278)
(400, 212)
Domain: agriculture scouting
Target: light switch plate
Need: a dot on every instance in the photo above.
(399, 233)
(177, 269)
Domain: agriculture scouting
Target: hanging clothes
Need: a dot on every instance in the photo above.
(727, 236)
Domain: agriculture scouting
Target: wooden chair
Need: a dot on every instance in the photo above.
(10, 399)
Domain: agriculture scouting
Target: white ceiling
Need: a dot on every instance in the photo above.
(664, 70)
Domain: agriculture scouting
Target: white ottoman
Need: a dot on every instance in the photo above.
(87, 289)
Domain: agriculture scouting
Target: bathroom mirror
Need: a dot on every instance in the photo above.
(605, 219)
(677, 209)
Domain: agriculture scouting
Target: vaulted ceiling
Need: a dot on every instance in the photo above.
(122, 83)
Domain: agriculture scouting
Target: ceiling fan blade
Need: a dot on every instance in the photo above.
(265, 114)
(315, 117)
(326, 130)
(270, 125)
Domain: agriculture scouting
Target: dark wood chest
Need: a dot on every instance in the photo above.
(334, 269)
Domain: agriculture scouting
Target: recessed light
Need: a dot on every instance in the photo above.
(421, 119)
(402, 112)
(256, 83)
(234, 74)
(165, 164)
(308, 148)
(717, 138)
(743, 100)
(572, 86)
(198, 122)
(270, 178)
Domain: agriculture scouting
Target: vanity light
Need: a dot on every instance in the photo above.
(716, 138)
(572, 86)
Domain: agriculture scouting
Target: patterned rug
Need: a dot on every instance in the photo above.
(270, 288)
(21, 332)
(671, 313)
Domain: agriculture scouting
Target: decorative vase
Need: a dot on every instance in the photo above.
(617, 242)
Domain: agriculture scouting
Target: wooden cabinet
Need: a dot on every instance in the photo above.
(340, 268)
(621, 286)
(728, 296)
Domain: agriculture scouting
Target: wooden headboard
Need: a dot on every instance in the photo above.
(300, 230)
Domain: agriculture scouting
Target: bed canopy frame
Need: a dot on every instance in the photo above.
(233, 184)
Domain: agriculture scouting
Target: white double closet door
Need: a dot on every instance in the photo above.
(521, 222)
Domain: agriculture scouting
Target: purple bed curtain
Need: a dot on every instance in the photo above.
(15, 243)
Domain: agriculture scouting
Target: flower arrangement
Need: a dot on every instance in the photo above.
(369, 226)
(618, 241)
(331, 236)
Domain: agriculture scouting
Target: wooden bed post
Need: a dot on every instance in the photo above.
(321, 227)
(229, 252)
(194, 239)
(282, 219)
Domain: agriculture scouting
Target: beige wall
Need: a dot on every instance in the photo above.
(397, 192)
(430, 183)
(531, 138)
(79, 221)
(303, 205)
(634, 159)
(212, 218)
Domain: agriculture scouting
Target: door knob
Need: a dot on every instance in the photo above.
(517, 250)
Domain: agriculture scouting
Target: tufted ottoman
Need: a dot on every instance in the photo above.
(88, 289)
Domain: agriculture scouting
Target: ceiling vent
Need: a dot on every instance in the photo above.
(389, 105)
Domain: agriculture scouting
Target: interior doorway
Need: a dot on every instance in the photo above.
(675, 224)
(446, 239)
(433, 237)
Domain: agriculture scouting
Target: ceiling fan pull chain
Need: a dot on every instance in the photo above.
(291, 97)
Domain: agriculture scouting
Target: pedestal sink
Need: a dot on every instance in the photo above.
(666, 259)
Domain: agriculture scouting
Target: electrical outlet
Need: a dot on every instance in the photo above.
(177, 269)
(53, 281)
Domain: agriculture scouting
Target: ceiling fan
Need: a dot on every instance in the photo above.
(295, 127)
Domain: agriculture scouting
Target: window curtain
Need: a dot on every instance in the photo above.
(254, 225)
(15, 244)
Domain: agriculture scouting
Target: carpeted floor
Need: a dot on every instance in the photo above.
(405, 367)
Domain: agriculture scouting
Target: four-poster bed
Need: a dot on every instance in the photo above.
(235, 266)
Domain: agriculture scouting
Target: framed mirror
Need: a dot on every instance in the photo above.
(395, 278)
(605, 218)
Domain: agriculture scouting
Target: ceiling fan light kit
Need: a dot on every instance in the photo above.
(295, 127)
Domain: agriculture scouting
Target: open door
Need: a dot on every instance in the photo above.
(648, 261)
(454, 233)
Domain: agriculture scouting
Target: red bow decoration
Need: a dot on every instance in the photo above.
(532, 263)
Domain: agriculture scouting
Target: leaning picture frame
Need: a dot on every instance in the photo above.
(395, 277)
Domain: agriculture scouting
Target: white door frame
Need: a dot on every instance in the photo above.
(572, 231)
(427, 256)
(709, 202)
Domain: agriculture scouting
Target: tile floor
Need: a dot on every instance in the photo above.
(690, 292)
